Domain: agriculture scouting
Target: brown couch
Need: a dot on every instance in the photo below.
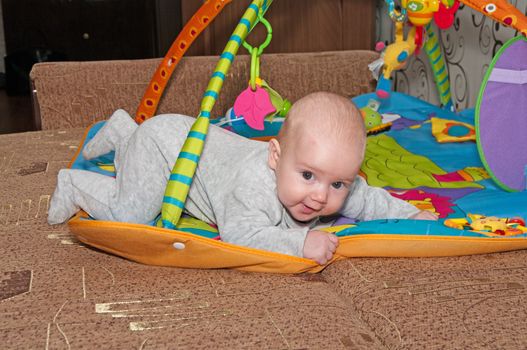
(56, 293)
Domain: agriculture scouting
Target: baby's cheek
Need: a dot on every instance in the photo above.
(288, 195)
(338, 203)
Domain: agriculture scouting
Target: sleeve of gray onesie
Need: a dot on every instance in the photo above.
(254, 219)
(370, 203)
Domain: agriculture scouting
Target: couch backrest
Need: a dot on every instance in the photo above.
(76, 94)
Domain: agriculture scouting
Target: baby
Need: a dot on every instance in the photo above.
(273, 196)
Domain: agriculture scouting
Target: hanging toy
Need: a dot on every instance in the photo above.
(259, 101)
(395, 56)
(420, 13)
(281, 105)
(254, 106)
(444, 17)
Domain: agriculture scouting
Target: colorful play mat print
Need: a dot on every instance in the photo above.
(445, 130)
(414, 161)
(408, 160)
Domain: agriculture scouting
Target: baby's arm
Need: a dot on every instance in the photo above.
(251, 232)
(256, 219)
(256, 231)
(369, 203)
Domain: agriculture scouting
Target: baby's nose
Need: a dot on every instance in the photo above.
(320, 194)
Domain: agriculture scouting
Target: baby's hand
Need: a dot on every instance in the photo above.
(424, 215)
(320, 246)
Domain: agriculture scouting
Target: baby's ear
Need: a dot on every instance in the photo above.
(273, 154)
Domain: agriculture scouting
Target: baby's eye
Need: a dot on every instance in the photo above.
(308, 175)
(337, 185)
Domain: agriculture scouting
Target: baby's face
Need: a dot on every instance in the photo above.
(314, 176)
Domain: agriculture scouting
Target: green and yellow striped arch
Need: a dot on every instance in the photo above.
(185, 167)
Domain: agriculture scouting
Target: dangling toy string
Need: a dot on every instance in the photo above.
(259, 102)
(256, 52)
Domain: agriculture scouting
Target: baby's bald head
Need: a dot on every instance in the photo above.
(324, 115)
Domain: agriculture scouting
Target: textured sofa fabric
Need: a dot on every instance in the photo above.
(76, 94)
(56, 293)
(59, 294)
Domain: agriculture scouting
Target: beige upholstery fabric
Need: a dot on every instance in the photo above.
(56, 293)
(76, 94)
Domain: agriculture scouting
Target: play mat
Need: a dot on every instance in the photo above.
(424, 154)
(429, 157)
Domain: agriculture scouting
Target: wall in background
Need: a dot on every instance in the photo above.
(298, 26)
(168, 23)
(468, 47)
(2, 40)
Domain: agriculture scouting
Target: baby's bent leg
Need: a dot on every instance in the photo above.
(114, 133)
(78, 189)
(101, 198)
(136, 194)
(142, 175)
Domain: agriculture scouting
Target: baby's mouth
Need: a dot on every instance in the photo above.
(307, 210)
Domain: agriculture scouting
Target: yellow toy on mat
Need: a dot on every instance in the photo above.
(490, 225)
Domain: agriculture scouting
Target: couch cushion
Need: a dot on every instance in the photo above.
(76, 94)
(469, 302)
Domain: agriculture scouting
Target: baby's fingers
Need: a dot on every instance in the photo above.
(329, 255)
(333, 238)
(333, 243)
(322, 260)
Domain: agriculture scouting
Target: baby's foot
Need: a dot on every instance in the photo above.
(61, 206)
(117, 129)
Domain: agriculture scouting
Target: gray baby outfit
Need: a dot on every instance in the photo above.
(233, 187)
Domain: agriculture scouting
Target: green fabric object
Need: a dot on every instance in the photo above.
(386, 163)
